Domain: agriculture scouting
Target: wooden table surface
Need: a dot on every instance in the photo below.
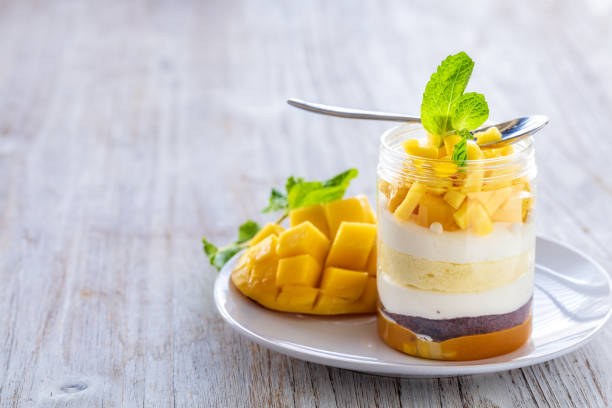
(129, 130)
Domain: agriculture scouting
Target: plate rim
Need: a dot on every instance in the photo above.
(395, 369)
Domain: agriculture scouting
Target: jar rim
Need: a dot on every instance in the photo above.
(520, 148)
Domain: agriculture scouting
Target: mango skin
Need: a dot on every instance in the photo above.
(285, 270)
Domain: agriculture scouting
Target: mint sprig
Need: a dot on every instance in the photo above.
(219, 256)
(446, 109)
(299, 193)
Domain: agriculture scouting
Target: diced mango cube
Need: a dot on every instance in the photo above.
(478, 219)
(297, 298)
(510, 211)
(414, 148)
(489, 136)
(473, 179)
(434, 209)
(397, 194)
(496, 199)
(368, 213)
(265, 232)
(460, 216)
(352, 245)
(473, 151)
(330, 304)
(263, 274)
(384, 187)
(303, 239)
(449, 143)
(454, 198)
(314, 213)
(265, 249)
(298, 270)
(506, 150)
(406, 208)
(372, 260)
(349, 209)
(434, 140)
(445, 168)
(343, 283)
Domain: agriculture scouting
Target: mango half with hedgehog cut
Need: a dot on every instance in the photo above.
(301, 270)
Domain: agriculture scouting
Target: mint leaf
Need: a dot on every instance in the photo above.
(443, 90)
(210, 250)
(276, 202)
(470, 111)
(225, 255)
(247, 231)
(303, 194)
(445, 108)
(460, 151)
(292, 181)
(218, 257)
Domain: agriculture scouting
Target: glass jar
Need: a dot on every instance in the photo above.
(456, 247)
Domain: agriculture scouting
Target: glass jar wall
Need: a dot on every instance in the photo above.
(456, 246)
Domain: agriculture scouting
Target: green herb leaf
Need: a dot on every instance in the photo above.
(276, 202)
(210, 250)
(306, 193)
(299, 194)
(225, 255)
(445, 108)
(247, 231)
(443, 90)
(470, 111)
(219, 256)
(460, 150)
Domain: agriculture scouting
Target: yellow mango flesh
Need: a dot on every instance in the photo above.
(352, 245)
(303, 239)
(470, 198)
(489, 136)
(349, 209)
(343, 283)
(295, 298)
(368, 213)
(454, 198)
(284, 271)
(414, 148)
(478, 220)
(265, 232)
(406, 208)
(298, 270)
(434, 209)
(397, 193)
(314, 213)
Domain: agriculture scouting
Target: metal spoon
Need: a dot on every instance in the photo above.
(512, 131)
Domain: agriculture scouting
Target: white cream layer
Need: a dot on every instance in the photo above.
(410, 301)
(505, 241)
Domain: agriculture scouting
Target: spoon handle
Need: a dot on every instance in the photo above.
(351, 113)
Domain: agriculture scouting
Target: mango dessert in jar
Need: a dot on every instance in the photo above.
(456, 232)
(456, 245)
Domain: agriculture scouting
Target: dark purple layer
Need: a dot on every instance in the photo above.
(444, 329)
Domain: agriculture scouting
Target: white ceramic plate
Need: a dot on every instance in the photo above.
(572, 301)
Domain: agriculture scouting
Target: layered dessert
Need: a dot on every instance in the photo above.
(456, 235)
(456, 258)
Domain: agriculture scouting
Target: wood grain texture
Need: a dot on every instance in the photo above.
(128, 130)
